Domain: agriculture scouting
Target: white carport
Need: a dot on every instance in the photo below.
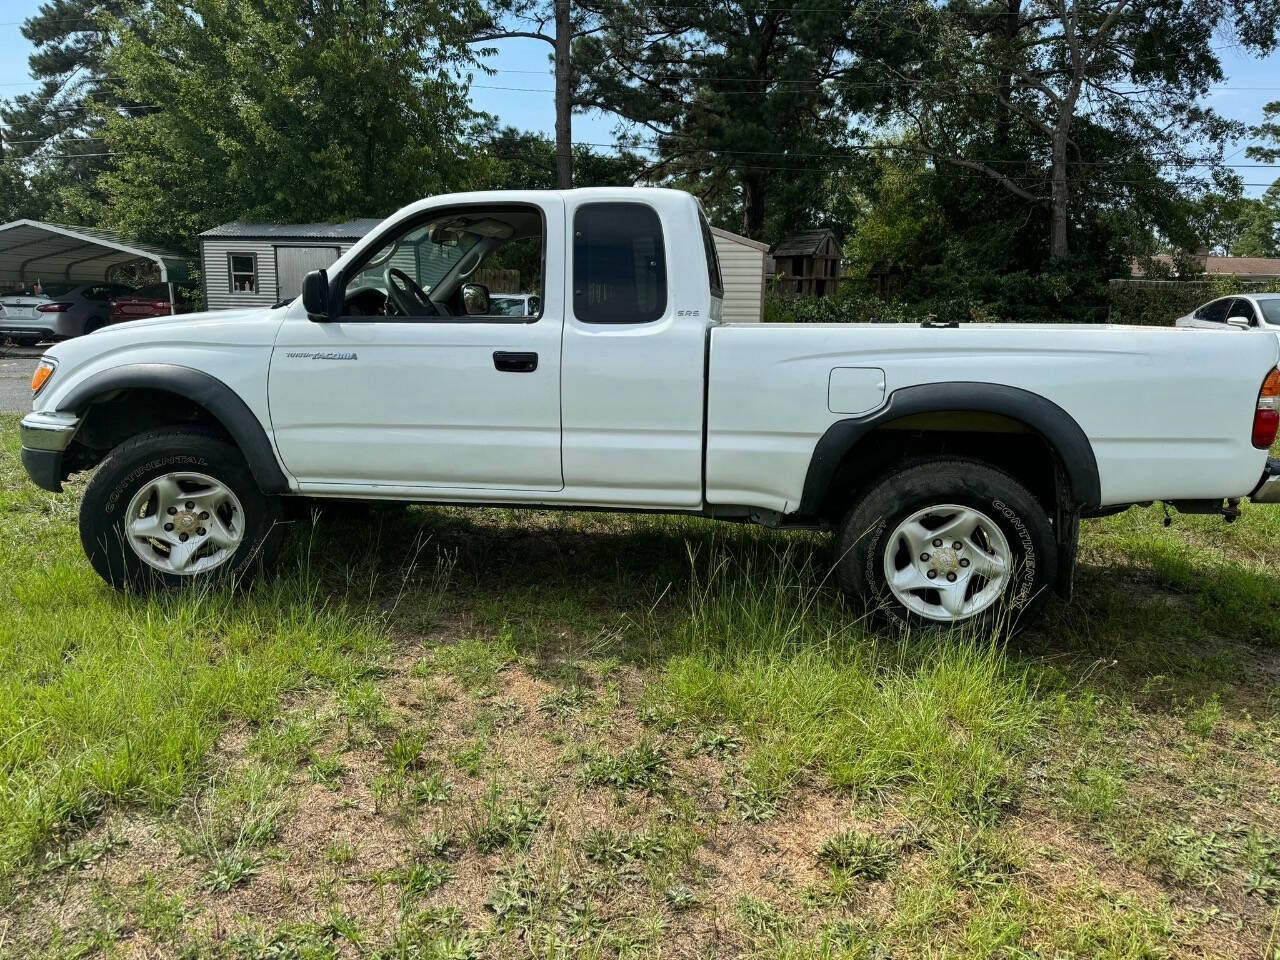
(31, 250)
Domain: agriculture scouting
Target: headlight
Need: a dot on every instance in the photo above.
(44, 371)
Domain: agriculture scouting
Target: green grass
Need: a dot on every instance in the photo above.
(501, 733)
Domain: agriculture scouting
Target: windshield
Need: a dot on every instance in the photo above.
(1271, 310)
(426, 255)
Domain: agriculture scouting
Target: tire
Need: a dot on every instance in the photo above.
(93, 325)
(999, 577)
(237, 536)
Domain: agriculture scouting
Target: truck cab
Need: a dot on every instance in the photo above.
(401, 380)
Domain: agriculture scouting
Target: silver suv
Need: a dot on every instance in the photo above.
(58, 312)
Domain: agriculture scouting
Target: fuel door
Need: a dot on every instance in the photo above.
(854, 390)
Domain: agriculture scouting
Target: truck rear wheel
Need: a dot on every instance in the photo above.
(949, 541)
(176, 506)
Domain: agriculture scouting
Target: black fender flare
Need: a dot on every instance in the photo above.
(207, 391)
(1058, 428)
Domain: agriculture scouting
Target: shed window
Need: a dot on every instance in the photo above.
(619, 264)
(244, 272)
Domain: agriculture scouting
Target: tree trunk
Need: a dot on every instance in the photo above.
(564, 97)
(1058, 247)
(753, 196)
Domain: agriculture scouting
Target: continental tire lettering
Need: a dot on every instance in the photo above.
(1028, 578)
(131, 478)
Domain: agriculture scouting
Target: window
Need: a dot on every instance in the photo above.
(244, 272)
(420, 271)
(619, 264)
(1215, 312)
(713, 261)
(1241, 308)
(1271, 310)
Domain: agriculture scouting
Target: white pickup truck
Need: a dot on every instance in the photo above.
(953, 463)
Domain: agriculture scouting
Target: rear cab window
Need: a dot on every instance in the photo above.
(619, 263)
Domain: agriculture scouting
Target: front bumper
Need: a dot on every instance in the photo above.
(45, 437)
(1268, 488)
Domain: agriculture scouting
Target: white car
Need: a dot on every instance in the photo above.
(953, 463)
(515, 304)
(1242, 310)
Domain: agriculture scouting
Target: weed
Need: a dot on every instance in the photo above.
(859, 854)
(431, 791)
(643, 767)
(496, 822)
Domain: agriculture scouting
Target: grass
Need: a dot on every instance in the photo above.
(504, 733)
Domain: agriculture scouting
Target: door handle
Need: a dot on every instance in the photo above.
(509, 362)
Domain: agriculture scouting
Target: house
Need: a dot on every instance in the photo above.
(1245, 268)
(258, 264)
(808, 264)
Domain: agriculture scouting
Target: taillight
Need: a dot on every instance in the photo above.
(54, 307)
(1266, 418)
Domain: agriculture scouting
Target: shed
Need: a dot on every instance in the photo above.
(742, 262)
(258, 264)
(808, 263)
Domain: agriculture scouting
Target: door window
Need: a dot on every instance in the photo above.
(1242, 308)
(1215, 312)
(473, 263)
(619, 264)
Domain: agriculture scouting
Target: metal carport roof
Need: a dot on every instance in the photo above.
(31, 250)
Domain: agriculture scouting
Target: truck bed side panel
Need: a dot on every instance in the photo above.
(1167, 411)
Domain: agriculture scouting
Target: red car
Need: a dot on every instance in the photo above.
(150, 301)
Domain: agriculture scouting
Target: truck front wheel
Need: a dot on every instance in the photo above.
(174, 506)
(949, 541)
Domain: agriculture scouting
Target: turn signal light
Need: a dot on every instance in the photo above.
(1266, 418)
(44, 370)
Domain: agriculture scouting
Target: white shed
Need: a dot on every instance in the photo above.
(258, 264)
(742, 266)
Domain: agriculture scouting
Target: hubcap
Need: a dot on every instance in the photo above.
(947, 563)
(184, 523)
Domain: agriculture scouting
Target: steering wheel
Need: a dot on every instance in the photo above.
(409, 298)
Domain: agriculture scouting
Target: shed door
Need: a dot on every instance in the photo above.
(294, 263)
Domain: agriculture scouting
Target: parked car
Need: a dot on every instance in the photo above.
(150, 301)
(61, 312)
(953, 464)
(19, 306)
(1241, 310)
(515, 304)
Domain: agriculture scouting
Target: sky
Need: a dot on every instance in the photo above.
(519, 94)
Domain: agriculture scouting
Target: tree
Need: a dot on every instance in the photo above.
(50, 133)
(528, 161)
(1066, 104)
(283, 110)
(737, 97)
(555, 22)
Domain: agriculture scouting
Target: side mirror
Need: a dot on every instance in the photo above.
(1241, 322)
(475, 299)
(315, 296)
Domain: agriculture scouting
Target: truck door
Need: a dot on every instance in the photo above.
(419, 383)
(634, 352)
